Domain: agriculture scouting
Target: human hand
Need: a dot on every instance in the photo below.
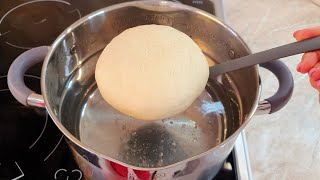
(310, 62)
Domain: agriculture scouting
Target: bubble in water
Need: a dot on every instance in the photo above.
(134, 133)
(134, 145)
(161, 148)
(162, 141)
(173, 143)
(160, 162)
(161, 154)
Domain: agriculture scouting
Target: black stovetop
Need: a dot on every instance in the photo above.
(32, 147)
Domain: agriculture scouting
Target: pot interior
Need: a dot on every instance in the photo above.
(75, 101)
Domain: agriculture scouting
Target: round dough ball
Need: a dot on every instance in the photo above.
(151, 72)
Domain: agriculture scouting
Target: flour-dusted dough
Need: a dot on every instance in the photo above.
(151, 72)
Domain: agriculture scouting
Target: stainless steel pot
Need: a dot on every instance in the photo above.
(109, 145)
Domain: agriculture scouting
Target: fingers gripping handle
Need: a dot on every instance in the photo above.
(286, 85)
(17, 70)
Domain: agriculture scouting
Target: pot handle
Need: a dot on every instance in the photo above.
(284, 92)
(16, 73)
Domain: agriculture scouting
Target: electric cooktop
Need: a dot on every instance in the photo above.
(32, 147)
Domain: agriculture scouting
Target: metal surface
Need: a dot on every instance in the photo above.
(35, 100)
(240, 149)
(75, 91)
(219, 10)
(264, 107)
(68, 88)
(241, 156)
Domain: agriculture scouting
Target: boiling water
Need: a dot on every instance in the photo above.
(204, 125)
(156, 143)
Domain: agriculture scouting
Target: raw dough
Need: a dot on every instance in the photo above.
(151, 72)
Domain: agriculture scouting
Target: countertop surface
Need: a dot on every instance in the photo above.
(284, 145)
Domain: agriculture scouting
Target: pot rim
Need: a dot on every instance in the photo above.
(135, 3)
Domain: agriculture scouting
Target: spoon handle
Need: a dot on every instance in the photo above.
(294, 48)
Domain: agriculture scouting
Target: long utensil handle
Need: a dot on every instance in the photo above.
(307, 45)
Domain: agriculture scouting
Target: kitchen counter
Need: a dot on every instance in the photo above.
(284, 145)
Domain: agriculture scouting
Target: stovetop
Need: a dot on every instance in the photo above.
(32, 147)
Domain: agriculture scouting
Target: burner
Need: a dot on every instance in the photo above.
(29, 138)
(38, 22)
(24, 28)
(31, 24)
(15, 120)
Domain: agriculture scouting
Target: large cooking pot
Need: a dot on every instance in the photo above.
(110, 145)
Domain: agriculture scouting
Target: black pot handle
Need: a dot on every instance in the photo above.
(284, 92)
